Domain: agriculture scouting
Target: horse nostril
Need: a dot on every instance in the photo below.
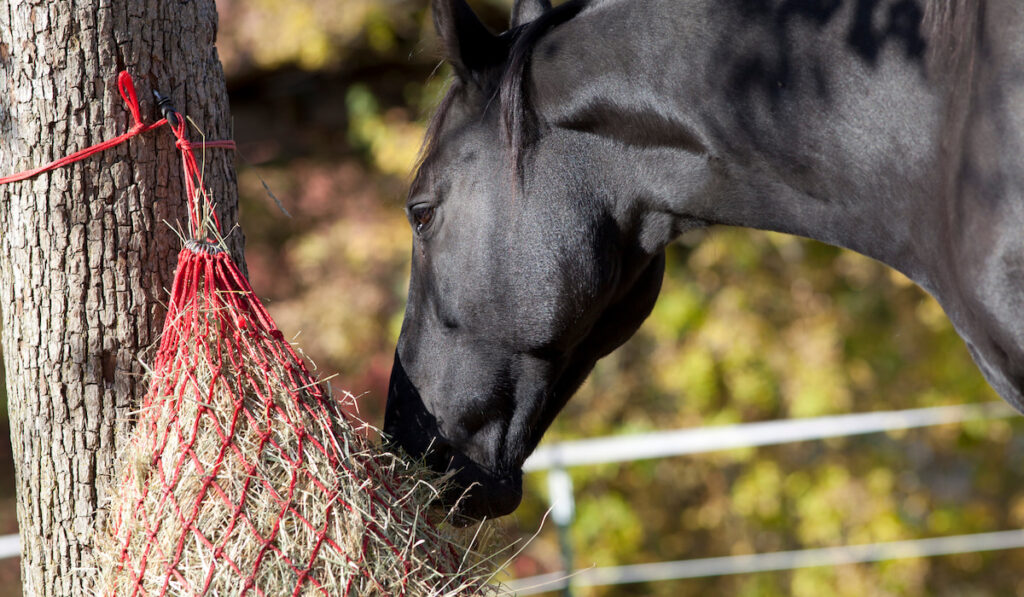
(452, 435)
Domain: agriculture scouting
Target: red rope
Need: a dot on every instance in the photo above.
(193, 174)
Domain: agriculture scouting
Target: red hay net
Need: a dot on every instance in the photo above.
(229, 401)
(243, 475)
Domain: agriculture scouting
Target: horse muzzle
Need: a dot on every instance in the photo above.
(472, 492)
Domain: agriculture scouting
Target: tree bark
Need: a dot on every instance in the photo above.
(87, 251)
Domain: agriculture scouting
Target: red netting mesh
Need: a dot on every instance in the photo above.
(243, 476)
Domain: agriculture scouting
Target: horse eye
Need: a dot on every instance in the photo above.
(422, 215)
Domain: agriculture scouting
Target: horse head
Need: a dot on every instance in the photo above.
(522, 277)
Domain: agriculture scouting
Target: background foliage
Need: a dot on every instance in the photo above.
(330, 100)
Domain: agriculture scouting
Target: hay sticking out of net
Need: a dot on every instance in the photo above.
(244, 477)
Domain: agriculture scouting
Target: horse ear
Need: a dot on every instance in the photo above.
(470, 47)
(525, 11)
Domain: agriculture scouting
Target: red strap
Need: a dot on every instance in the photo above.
(193, 174)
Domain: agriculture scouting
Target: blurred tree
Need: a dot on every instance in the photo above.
(86, 251)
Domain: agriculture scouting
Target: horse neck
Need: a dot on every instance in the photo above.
(809, 121)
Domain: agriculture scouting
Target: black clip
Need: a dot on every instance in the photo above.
(164, 103)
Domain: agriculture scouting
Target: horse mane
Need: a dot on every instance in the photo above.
(951, 28)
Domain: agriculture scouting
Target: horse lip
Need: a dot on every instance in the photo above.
(470, 491)
(476, 493)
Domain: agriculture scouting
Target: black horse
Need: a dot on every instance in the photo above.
(571, 149)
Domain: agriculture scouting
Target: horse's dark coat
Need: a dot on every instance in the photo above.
(574, 147)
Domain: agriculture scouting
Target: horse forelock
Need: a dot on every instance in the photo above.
(430, 139)
(509, 93)
(513, 91)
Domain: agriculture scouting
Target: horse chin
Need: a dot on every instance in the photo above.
(475, 494)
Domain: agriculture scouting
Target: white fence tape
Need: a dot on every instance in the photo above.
(710, 439)
(766, 562)
(10, 546)
(559, 456)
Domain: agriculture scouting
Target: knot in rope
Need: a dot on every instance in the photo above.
(127, 88)
(202, 218)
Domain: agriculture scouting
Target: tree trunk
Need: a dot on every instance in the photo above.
(87, 251)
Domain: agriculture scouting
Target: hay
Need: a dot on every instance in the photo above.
(244, 477)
